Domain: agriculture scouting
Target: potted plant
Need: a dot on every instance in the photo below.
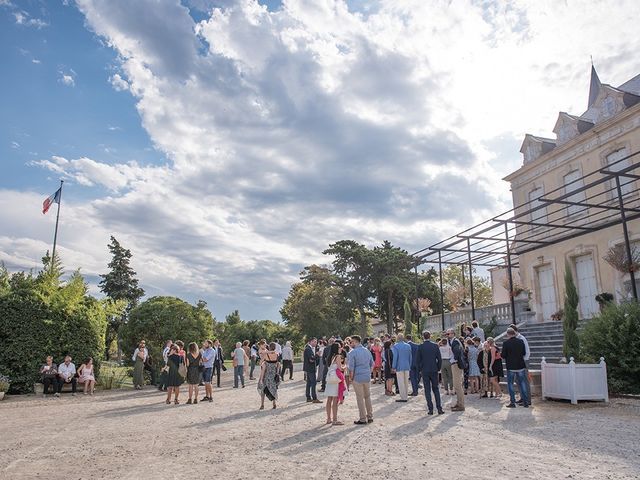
(604, 299)
(4, 386)
(558, 315)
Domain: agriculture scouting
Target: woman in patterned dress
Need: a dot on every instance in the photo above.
(269, 379)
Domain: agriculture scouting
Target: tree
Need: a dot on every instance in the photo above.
(458, 294)
(408, 324)
(234, 329)
(42, 316)
(353, 267)
(119, 284)
(571, 345)
(317, 306)
(392, 280)
(161, 318)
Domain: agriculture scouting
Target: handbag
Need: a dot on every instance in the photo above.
(182, 370)
(332, 378)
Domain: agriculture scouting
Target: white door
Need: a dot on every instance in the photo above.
(547, 292)
(586, 285)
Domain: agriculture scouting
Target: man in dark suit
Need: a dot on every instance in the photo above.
(428, 362)
(309, 364)
(513, 353)
(414, 373)
(218, 363)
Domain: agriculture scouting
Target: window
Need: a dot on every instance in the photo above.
(616, 161)
(538, 215)
(573, 181)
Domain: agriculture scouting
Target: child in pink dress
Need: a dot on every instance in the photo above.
(342, 386)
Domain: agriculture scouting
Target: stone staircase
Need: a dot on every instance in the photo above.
(545, 340)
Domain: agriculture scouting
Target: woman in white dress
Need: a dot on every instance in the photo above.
(335, 384)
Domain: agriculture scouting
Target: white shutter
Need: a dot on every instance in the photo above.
(615, 162)
(586, 285)
(573, 181)
(546, 292)
(540, 215)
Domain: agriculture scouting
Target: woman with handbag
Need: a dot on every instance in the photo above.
(139, 358)
(335, 384)
(177, 373)
(269, 378)
(194, 366)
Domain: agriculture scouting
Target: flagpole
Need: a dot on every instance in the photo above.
(55, 235)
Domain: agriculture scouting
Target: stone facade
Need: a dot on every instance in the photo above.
(608, 131)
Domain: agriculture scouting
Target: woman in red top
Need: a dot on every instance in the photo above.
(376, 351)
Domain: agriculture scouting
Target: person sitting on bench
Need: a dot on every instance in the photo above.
(49, 372)
(67, 374)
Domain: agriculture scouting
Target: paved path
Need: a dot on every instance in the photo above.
(134, 435)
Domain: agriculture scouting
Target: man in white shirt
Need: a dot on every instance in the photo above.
(67, 374)
(254, 359)
(164, 376)
(527, 354)
(477, 331)
(240, 359)
(209, 355)
(287, 360)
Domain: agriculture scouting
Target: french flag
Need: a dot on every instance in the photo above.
(55, 198)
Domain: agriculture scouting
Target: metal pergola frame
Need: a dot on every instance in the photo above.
(602, 198)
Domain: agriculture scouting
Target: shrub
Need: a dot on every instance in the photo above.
(615, 335)
(39, 316)
(490, 329)
(4, 384)
(161, 318)
(571, 346)
(112, 376)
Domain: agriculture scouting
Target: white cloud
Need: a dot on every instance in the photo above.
(118, 83)
(23, 18)
(36, 61)
(15, 144)
(67, 78)
(287, 130)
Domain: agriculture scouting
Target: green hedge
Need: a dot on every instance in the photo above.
(162, 318)
(34, 325)
(615, 335)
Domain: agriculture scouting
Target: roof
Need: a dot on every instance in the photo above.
(631, 86)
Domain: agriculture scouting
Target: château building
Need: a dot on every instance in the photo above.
(602, 137)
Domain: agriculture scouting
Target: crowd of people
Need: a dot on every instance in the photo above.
(460, 364)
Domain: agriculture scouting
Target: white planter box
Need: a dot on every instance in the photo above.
(571, 381)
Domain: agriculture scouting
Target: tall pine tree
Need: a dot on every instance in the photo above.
(119, 284)
(571, 345)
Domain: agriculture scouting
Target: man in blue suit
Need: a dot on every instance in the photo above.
(402, 362)
(428, 362)
(414, 373)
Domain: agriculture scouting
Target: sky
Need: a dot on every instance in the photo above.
(228, 143)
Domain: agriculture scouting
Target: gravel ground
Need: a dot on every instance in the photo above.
(128, 434)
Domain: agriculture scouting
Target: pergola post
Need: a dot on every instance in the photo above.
(441, 289)
(417, 303)
(511, 297)
(473, 305)
(627, 243)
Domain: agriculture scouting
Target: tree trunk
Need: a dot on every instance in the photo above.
(390, 326)
(364, 325)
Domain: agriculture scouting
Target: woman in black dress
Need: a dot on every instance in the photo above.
(389, 376)
(496, 371)
(174, 380)
(194, 361)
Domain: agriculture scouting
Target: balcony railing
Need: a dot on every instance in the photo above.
(501, 312)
